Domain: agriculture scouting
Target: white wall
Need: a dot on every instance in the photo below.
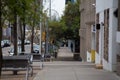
(97, 58)
(118, 36)
(115, 45)
(101, 5)
(99, 55)
(111, 64)
(88, 57)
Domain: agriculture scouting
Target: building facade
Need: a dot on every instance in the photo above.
(108, 48)
(100, 33)
(87, 10)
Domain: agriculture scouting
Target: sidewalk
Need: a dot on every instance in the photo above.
(65, 68)
(72, 70)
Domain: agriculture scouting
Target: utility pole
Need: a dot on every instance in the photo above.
(46, 51)
(50, 9)
(47, 29)
(41, 3)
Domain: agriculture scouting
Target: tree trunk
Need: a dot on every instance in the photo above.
(23, 37)
(22, 31)
(15, 34)
(22, 34)
(32, 38)
(20, 28)
(0, 39)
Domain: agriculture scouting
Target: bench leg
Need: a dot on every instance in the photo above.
(41, 64)
(14, 72)
(27, 72)
(31, 70)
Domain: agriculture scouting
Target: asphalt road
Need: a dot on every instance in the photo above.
(6, 49)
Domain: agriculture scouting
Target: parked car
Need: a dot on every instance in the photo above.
(27, 42)
(11, 51)
(36, 48)
(19, 42)
(6, 43)
(2, 44)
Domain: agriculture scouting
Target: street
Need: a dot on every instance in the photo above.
(6, 49)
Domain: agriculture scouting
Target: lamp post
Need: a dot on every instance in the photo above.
(47, 29)
(40, 24)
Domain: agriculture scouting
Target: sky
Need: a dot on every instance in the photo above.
(57, 6)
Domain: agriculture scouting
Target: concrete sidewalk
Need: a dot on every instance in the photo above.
(72, 70)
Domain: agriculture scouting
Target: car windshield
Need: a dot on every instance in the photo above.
(2, 42)
(36, 46)
(6, 41)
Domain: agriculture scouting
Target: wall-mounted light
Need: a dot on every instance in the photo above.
(94, 4)
(102, 24)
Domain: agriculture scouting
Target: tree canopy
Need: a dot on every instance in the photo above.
(12, 11)
(72, 20)
(68, 26)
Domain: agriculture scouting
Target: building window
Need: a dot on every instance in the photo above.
(106, 34)
(97, 34)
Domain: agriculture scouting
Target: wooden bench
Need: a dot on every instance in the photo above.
(47, 57)
(17, 63)
(38, 58)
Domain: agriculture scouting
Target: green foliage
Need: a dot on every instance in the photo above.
(68, 26)
(33, 17)
(57, 29)
(72, 20)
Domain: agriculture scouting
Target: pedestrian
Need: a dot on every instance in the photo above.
(71, 47)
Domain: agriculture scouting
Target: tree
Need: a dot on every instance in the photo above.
(15, 10)
(10, 10)
(26, 9)
(57, 28)
(68, 26)
(72, 23)
(34, 18)
(3, 16)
